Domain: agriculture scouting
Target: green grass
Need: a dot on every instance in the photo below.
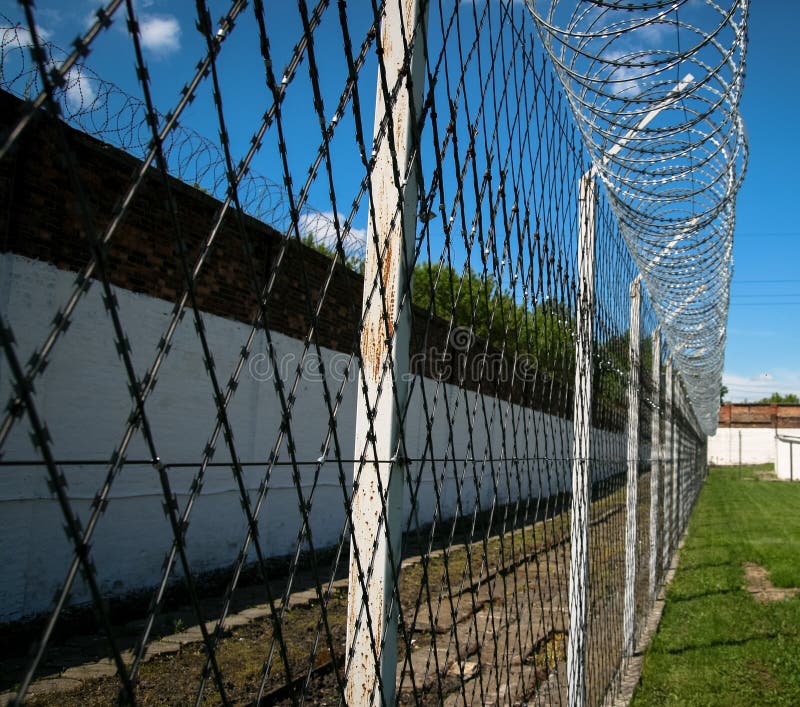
(716, 645)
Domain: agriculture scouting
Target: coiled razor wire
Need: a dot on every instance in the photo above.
(655, 88)
(102, 109)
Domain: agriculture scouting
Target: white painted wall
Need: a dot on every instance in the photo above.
(757, 445)
(82, 396)
(787, 454)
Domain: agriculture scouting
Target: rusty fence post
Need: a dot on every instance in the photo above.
(377, 502)
(632, 491)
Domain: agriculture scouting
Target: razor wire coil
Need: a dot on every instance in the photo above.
(102, 109)
(655, 90)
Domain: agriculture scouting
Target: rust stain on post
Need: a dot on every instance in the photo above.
(388, 278)
(378, 494)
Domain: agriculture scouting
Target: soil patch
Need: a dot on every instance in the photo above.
(762, 589)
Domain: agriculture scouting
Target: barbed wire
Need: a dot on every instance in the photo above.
(655, 89)
(102, 109)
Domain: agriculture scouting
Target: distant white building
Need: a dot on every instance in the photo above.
(758, 434)
(787, 454)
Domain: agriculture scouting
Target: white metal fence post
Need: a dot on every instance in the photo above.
(675, 437)
(629, 611)
(669, 462)
(655, 462)
(581, 427)
(378, 493)
(680, 472)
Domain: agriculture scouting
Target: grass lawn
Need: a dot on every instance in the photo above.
(716, 644)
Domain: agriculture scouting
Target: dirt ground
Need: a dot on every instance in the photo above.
(762, 589)
(481, 622)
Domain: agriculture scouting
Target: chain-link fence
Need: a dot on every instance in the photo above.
(245, 461)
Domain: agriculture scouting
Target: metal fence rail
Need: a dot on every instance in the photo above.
(463, 442)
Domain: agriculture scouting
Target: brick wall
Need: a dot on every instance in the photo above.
(40, 219)
(759, 415)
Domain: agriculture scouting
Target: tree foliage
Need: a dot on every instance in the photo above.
(353, 262)
(544, 332)
(788, 399)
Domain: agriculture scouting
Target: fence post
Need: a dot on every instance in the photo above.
(669, 462)
(655, 460)
(740, 452)
(581, 428)
(376, 509)
(629, 611)
(680, 476)
(675, 437)
(675, 454)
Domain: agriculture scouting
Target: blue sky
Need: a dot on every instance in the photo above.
(763, 352)
(763, 331)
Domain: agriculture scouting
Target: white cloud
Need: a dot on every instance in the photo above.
(624, 80)
(25, 38)
(321, 226)
(761, 385)
(632, 48)
(79, 90)
(44, 34)
(652, 35)
(161, 34)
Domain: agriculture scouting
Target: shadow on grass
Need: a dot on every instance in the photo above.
(683, 598)
(705, 566)
(734, 642)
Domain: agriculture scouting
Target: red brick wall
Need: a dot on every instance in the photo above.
(40, 219)
(759, 415)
